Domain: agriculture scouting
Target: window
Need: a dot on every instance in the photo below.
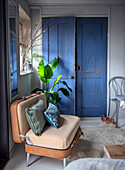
(13, 57)
(13, 48)
(25, 40)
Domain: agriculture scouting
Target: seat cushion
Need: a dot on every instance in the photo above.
(60, 138)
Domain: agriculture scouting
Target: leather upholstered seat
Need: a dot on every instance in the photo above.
(60, 138)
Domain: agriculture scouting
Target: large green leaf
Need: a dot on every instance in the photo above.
(63, 82)
(54, 97)
(53, 63)
(41, 69)
(64, 91)
(67, 85)
(48, 72)
(45, 72)
(56, 81)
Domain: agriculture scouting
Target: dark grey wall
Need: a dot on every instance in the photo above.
(4, 142)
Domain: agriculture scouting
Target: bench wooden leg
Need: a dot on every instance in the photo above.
(28, 157)
(64, 162)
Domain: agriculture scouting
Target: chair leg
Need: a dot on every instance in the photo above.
(64, 162)
(114, 112)
(117, 114)
(28, 157)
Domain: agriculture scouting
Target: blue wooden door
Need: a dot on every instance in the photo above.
(92, 59)
(59, 41)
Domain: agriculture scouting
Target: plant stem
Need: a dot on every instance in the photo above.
(47, 95)
(47, 86)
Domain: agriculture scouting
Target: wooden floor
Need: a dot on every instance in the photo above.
(18, 158)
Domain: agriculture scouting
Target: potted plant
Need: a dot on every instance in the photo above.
(45, 73)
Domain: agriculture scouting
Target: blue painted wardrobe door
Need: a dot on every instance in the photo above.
(59, 41)
(92, 58)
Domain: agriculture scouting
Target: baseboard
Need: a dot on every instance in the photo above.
(121, 119)
(97, 118)
(90, 118)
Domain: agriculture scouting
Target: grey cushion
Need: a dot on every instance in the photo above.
(35, 117)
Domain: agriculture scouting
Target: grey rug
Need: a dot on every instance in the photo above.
(92, 144)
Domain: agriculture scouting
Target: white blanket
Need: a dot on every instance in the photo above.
(96, 164)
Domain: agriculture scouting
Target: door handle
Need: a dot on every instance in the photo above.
(71, 77)
(77, 67)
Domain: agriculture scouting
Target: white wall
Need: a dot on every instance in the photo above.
(73, 10)
(117, 66)
(75, 3)
(117, 58)
(116, 32)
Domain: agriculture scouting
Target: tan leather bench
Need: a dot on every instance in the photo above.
(55, 143)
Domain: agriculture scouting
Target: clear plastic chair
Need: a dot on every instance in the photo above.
(116, 94)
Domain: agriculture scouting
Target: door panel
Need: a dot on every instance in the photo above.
(92, 58)
(59, 41)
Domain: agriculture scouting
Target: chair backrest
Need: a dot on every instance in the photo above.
(20, 125)
(116, 87)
